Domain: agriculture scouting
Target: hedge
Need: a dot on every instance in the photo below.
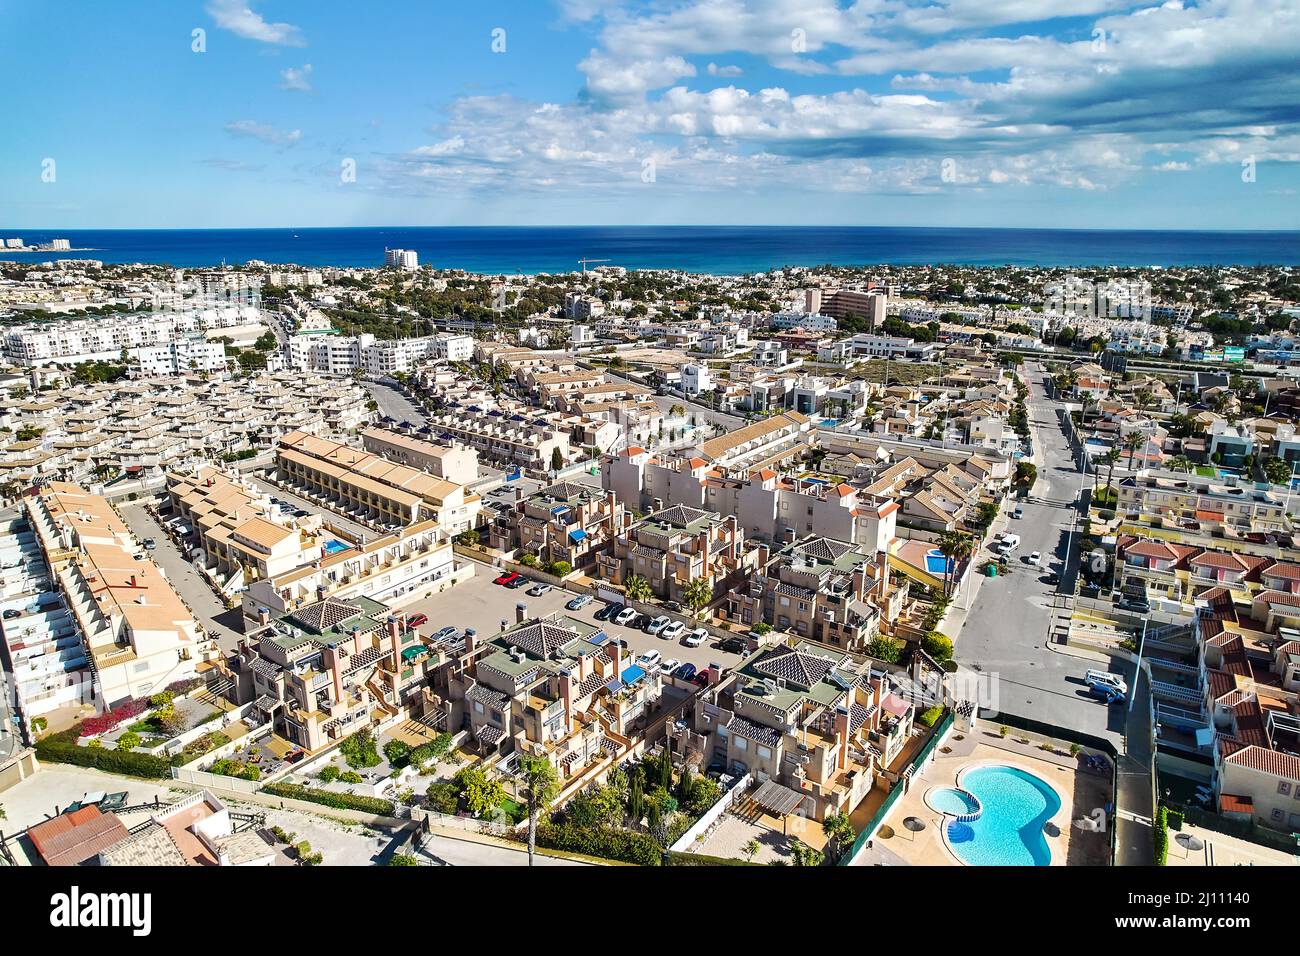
(62, 748)
(605, 842)
(1160, 836)
(677, 858)
(328, 798)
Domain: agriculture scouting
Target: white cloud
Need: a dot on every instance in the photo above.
(724, 71)
(264, 133)
(240, 19)
(297, 79)
(616, 79)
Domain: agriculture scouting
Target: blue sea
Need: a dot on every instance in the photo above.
(725, 250)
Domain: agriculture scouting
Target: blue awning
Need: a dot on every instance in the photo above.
(614, 685)
(632, 674)
(559, 509)
(576, 535)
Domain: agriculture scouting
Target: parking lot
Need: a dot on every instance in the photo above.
(482, 605)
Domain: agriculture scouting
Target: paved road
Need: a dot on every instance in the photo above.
(1006, 630)
(211, 613)
(394, 404)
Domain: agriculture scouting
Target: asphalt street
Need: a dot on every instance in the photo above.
(1006, 631)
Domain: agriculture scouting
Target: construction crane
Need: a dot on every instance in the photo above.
(585, 261)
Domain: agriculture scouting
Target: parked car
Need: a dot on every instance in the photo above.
(1107, 695)
(672, 606)
(1136, 605)
(538, 589)
(151, 543)
(578, 603)
(696, 637)
(670, 665)
(733, 645)
(1096, 678)
(672, 631)
(1017, 513)
(1052, 578)
(445, 634)
(656, 624)
(649, 661)
(416, 620)
(508, 578)
(11, 613)
(607, 611)
(625, 616)
(1035, 558)
(519, 582)
(685, 672)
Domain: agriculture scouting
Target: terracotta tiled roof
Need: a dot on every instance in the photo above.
(1267, 761)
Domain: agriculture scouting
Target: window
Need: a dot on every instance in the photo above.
(743, 744)
(1283, 788)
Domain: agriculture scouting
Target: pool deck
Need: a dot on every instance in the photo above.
(1080, 793)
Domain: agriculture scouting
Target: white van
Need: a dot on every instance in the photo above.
(1007, 543)
(1105, 679)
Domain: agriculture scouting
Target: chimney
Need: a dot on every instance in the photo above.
(614, 651)
(714, 673)
(611, 497)
(263, 617)
(842, 735)
(860, 582)
(395, 639)
(566, 695)
(764, 557)
(133, 584)
(658, 504)
(471, 640)
(321, 592)
(702, 543)
(521, 612)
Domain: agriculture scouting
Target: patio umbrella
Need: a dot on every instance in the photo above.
(915, 824)
(1192, 843)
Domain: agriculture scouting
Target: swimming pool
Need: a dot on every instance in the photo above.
(1013, 807)
(335, 546)
(935, 562)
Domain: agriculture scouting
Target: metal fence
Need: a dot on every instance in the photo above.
(904, 782)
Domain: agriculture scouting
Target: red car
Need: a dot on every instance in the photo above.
(508, 578)
(416, 620)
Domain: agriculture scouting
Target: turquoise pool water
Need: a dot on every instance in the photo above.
(935, 562)
(954, 801)
(334, 547)
(1009, 830)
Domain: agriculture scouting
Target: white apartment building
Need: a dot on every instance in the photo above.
(183, 354)
(402, 259)
(808, 321)
(102, 339)
(346, 354)
(696, 379)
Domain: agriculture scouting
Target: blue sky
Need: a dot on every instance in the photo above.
(873, 112)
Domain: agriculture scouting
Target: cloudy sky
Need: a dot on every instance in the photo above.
(190, 113)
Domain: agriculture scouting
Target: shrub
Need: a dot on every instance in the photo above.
(930, 716)
(402, 859)
(444, 797)
(608, 843)
(397, 753)
(762, 627)
(561, 569)
(328, 773)
(359, 750)
(103, 723)
(937, 645)
(1160, 837)
(128, 741)
(62, 748)
(327, 798)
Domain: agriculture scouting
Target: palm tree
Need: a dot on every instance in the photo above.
(1133, 442)
(955, 546)
(698, 593)
(839, 834)
(1111, 458)
(539, 789)
(638, 589)
(1180, 463)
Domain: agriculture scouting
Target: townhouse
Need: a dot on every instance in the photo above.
(565, 521)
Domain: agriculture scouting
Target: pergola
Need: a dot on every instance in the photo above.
(777, 800)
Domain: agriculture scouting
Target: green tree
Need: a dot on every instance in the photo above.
(839, 834)
(557, 458)
(885, 648)
(638, 589)
(481, 795)
(128, 741)
(698, 593)
(1132, 442)
(937, 645)
(540, 784)
(1277, 471)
